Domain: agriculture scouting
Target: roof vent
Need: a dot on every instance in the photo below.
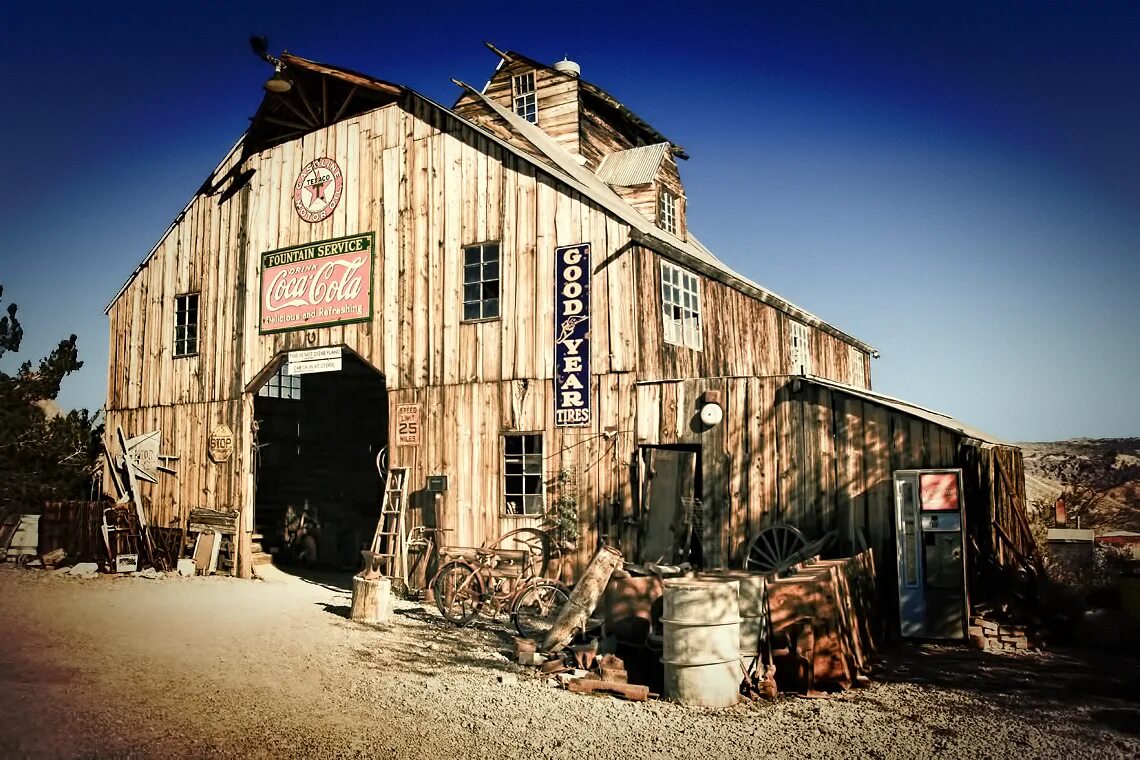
(566, 66)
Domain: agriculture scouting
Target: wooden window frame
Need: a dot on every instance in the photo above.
(187, 324)
(668, 211)
(681, 321)
(524, 102)
(856, 361)
(476, 292)
(523, 458)
(281, 386)
(799, 347)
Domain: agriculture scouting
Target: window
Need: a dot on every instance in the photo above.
(481, 282)
(667, 211)
(525, 98)
(800, 349)
(522, 474)
(680, 306)
(855, 365)
(282, 385)
(186, 324)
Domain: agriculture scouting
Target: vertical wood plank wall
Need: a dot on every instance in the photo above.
(428, 184)
(823, 460)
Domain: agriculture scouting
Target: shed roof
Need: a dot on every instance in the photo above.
(636, 166)
(899, 405)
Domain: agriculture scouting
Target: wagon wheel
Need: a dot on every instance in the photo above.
(775, 549)
(535, 542)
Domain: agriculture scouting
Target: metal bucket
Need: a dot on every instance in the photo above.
(753, 618)
(701, 646)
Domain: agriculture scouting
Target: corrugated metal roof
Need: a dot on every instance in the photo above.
(938, 418)
(636, 166)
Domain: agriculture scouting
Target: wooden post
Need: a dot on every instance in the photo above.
(371, 599)
(583, 599)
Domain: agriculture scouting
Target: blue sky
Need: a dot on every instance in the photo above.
(957, 184)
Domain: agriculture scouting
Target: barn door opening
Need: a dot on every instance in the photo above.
(317, 488)
(671, 520)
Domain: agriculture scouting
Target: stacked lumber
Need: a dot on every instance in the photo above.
(835, 600)
(990, 634)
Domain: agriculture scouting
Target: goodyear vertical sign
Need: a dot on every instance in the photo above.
(572, 335)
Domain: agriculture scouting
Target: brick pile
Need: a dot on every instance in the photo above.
(989, 634)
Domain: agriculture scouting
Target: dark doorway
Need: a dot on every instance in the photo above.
(318, 490)
(671, 519)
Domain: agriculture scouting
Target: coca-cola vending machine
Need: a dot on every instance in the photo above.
(930, 526)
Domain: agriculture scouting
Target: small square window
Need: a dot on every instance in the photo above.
(186, 325)
(523, 488)
(856, 367)
(481, 282)
(667, 211)
(525, 97)
(681, 307)
(281, 385)
(800, 348)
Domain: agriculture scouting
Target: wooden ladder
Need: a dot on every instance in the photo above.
(389, 551)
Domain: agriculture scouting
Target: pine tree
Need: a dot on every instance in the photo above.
(44, 455)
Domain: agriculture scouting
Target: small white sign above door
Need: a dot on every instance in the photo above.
(318, 365)
(313, 354)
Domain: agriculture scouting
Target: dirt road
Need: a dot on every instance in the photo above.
(214, 667)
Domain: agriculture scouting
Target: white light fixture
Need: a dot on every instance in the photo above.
(278, 83)
(711, 414)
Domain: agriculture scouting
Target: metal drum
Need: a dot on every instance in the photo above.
(702, 641)
(753, 618)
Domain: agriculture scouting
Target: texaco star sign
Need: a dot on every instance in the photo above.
(318, 190)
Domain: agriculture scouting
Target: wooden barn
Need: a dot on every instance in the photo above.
(506, 294)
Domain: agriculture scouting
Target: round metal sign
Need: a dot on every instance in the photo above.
(318, 189)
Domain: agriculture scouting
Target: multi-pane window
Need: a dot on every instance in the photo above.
(800, 348)
(856, 367)
(522, 474)
(186, 324)
(282, 385)
(481, 281)
(667, 211)
(525, 98)
(680, 306)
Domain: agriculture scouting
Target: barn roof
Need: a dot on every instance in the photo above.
(601, 101)
(323, 94)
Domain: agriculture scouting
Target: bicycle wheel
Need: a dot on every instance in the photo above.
(458, 592)
(537, 607)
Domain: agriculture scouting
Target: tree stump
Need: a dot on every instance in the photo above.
(371, 599)
(583, 599)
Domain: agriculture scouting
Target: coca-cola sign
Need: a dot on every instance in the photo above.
(324, 283)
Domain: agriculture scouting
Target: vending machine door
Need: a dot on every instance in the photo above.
(932, 570)
(912, 612)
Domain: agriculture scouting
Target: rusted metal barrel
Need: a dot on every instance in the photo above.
(701, 651)
(753, 613)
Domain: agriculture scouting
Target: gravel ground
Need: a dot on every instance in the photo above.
(204, 667)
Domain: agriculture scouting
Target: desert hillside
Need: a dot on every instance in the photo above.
(1103, 475)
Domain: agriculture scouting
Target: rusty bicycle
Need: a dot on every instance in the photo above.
(501, 579)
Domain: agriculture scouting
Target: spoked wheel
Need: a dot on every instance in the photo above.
(537, 607)
(535, 542)
(458, 592)
(775, 549)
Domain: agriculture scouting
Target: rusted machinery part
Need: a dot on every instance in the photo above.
(538, 543)
(775, 549)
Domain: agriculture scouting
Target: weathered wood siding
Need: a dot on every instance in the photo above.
(427, 184)
(823, 460)
(557, 100)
